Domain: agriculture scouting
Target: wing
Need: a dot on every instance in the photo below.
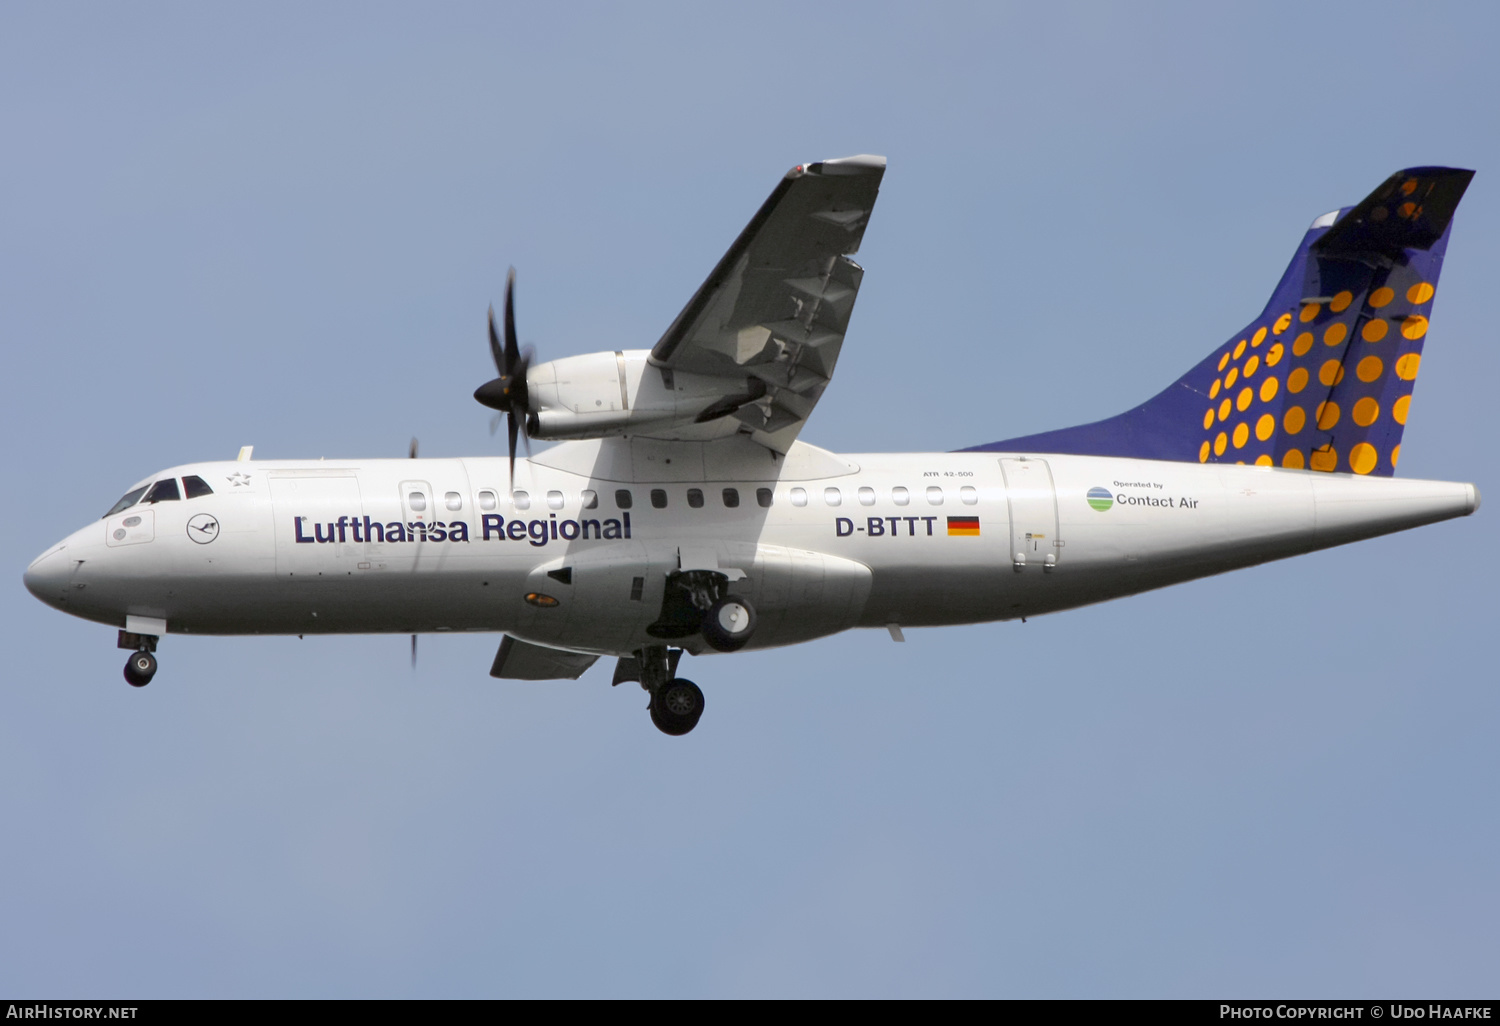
(771, 317)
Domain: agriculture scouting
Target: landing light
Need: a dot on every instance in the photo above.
(536, 598)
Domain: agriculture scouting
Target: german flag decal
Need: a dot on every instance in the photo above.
(966, 526)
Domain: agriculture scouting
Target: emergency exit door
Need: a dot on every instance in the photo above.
(1032, 498)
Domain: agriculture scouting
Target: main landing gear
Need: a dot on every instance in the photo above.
(694, 602)
(698, 602)
(141, 666)
(676, 706)
(676, 703)
(728, 623)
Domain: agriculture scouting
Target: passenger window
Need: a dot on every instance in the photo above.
(799, 496)
(659, 498)
(487, 500)
(195, 487)
(554, 500)
(417, 501)
(899, 496)
(731, 498)
(164, 490)
(127, 500)
(523, 500)
(867, 496)
(453, 501)
(934, 495)
(590, 499)
(969, 494)
(623, 499)
(833, 496)
(764, 496)
(695, 498)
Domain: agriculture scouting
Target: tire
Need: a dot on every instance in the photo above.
(140, 669)
(729, 623)
(677, 707)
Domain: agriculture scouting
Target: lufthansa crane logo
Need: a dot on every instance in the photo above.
(202, 528)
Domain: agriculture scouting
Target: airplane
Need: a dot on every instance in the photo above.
(680, 511)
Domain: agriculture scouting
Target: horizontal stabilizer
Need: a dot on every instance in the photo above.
(1410, 210)
(521, 660)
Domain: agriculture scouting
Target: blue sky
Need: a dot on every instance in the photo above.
(281, 226)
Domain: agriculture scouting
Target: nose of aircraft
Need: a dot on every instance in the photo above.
(47, 576)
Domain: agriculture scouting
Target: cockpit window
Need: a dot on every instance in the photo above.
(196, 487)
(126, 501)
(164, 490)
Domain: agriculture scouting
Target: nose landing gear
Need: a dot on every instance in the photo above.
(141, 666)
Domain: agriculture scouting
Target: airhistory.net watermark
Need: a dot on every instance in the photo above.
(46, 1011)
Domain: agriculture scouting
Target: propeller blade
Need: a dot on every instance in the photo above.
(495, 351)
(413, 651)
(512, 351)
(412, 452)
(516, 390)
(510, 431)
(495, 423)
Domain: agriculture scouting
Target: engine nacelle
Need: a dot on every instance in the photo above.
(616, 393)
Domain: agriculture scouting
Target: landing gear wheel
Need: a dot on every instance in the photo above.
(140, 669)
(677, 706)
(729, 623)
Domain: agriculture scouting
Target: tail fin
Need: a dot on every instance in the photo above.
(1323, 377)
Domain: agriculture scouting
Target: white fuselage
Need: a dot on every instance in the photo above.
(357, 546)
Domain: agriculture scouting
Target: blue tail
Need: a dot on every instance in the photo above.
(1323, 377)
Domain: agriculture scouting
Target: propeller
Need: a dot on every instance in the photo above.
(507, 393)
(412, 454)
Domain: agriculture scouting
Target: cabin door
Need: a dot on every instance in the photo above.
(314, 534)
(1032, 498)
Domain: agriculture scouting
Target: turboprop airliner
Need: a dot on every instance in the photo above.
(680, 510)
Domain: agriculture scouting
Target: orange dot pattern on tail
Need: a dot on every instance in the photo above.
(1335, 394)
(1322, 378)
